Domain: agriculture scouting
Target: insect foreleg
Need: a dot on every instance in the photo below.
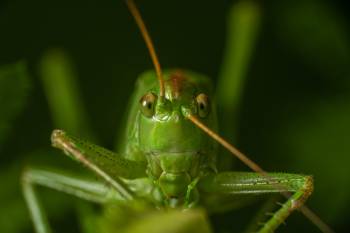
(92, 191)
(106, 164)
(252, 183)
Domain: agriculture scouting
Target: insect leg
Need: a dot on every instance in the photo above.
(106, 164)
(252, 183)
(86, 189)
(263, 214)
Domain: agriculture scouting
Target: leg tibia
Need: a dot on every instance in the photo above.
(36, 212)
(104, 163)
(294, 202)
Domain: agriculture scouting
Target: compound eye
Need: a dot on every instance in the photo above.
(147, 104)
(203, 104)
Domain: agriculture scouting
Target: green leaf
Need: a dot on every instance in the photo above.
(139, 217)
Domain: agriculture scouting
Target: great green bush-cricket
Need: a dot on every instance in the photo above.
(167, 156)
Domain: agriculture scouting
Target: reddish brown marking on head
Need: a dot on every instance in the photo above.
(176, 82)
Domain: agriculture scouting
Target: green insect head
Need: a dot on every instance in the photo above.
(164, 126)
(165, 134)
(175, 148)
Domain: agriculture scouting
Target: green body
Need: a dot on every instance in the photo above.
(165, 161)
(176, 151)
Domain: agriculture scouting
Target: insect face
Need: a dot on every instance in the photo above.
(174, 147)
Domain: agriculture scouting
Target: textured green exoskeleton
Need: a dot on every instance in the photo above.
(177, 153)
(164, 160)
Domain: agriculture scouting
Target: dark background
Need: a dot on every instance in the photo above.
(295, 110)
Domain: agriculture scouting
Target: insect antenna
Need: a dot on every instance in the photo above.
(308, 213)
(140, 23)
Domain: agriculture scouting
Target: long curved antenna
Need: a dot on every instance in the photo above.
(255, 167)
(137, 16)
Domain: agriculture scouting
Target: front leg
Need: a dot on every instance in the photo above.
(252, 183)
(106, 164)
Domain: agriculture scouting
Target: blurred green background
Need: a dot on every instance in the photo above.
(294, 113)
